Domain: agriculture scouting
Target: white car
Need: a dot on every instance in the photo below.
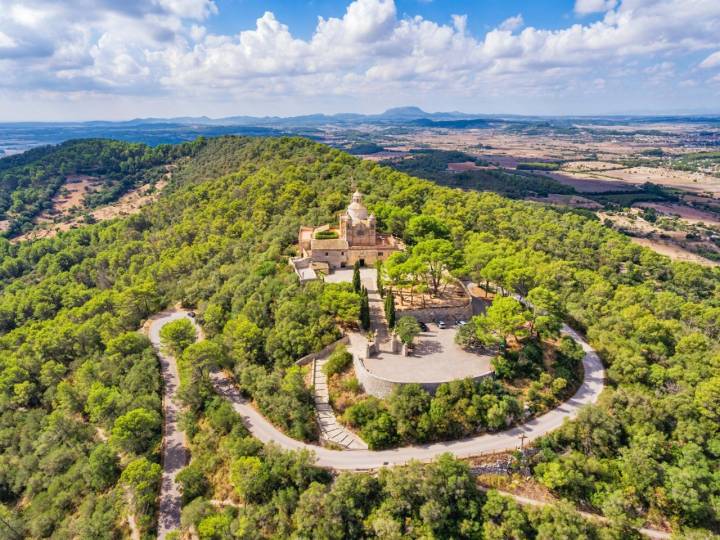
(441, 325)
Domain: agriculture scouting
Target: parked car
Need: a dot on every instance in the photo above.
(423, 326)
(461, 323)
(441, 325)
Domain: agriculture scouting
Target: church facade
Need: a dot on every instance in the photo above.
(354, 239)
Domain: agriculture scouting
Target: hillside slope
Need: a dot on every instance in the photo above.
(82, 173)
(79, 389)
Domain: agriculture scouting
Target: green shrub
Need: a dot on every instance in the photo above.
(380, 432)
(352, 385)
(538, 166)
(326, 235)
(193, 482)
(407, 329)
(363, 412)
(339, 360)
(178, 335)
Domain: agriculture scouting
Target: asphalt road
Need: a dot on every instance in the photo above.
(263, 430)
(174, 452)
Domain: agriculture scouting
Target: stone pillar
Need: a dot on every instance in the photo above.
(395, 343)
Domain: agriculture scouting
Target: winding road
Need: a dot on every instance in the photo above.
(174, 448)
(175, 454)
(359, 460)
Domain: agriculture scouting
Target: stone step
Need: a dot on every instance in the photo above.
(346, 439)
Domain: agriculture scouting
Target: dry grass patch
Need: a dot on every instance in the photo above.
(585, 166)
(451, 295)
(131, 203)
(345, 390)
(687, 213)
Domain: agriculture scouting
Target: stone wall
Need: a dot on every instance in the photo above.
(381, 387)
(325, 351)
(335, 258)
(456, 312)
(373, 385)
(447, 314)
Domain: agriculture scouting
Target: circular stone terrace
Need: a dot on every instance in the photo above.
(435, 358)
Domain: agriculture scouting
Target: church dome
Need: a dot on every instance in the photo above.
(357, 210)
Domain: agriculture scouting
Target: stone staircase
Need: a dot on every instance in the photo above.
(330, 429)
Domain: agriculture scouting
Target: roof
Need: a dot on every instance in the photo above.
(330, 243)
(357, 210)
(303, 268)
(306, 274)
(306, 234)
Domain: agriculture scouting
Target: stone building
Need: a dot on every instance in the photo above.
(355, 238)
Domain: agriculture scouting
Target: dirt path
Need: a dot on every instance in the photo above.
(526, 501)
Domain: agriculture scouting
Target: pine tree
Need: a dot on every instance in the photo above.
(356, 277)
(364, 309)
(390, 309)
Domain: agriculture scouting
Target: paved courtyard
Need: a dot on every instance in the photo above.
(436, 358)
(368, 276)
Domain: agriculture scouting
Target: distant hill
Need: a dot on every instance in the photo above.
(397, 115)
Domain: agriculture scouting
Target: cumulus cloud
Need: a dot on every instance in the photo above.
(512, 23)
(164, 47)
(585, 7)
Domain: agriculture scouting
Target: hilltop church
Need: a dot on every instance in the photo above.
(354, 239)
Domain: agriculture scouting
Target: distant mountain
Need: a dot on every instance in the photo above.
(394, 115)
(407, 113)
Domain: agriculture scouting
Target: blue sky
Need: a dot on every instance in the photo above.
(483, 15)
(110, 59)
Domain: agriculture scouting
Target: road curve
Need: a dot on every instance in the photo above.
(174, 450)
(359, 460)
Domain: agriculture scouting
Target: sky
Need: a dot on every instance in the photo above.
(122, 59)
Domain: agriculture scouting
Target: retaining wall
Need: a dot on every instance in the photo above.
(463, 312)
(381, 387)
(326, 350)
(459, 311)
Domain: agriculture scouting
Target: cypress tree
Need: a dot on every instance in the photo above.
(390, 309)
(356, 277)
(380, 286)
(364, 309)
